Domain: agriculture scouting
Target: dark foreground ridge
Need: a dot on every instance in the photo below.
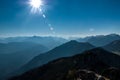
(95, 64)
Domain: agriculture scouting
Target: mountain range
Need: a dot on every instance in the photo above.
(16, 54)
(68, 49)
(21, 54)
(100, 40)
(96, 60)
(52, 42)
(13, 47)
(49, 42)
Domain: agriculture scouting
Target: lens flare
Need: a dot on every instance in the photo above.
(36, 7)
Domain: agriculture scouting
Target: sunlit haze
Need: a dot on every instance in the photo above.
(59, 17)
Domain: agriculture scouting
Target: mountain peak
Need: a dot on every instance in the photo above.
(73, 41)
(113, 34)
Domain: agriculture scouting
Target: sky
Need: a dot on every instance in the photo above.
(66, 17)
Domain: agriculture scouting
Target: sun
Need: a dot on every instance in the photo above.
(36, 5)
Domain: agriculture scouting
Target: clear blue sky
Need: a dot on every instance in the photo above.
(68, 17)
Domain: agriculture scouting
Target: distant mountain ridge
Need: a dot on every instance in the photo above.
(100, 40)
(49, 42)
(68, 49)
(16, 54)
(96, 60)
(17, 51)
(28, 50)
(12, 47)
(113, 46)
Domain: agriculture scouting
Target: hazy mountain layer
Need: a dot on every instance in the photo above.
(68, 49)
(100, 40)
(49, 42)
(113, 46)
(22, 53)
(96, 60)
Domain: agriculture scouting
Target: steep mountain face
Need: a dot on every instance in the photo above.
(77, 67)
(100, 40)
(49, 42)
(22, 53)
(68, 49)
(113, 46)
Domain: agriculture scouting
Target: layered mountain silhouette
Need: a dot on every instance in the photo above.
(14, 55)
(12, 47)
(49, 42)
(86, 66)
(21, 54)
(113, 46)
(68, 49)
(100, 40)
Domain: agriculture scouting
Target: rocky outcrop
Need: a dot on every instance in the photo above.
(112, 73)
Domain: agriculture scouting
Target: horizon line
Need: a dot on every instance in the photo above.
(60, 36)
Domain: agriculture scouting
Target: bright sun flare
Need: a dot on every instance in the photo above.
(36, 5)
